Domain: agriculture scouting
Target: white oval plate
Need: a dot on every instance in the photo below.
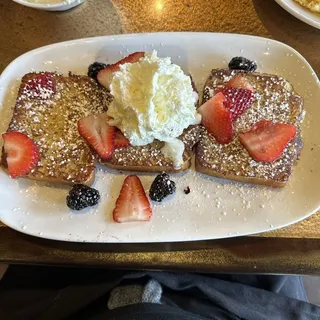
(303, 14)
(215, 208)
(62, 6)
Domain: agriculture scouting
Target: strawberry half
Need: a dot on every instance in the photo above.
(42, 86)
(20, 153)
(105, 75)
(132, 203)
(240, 82)
(239, 100)
(217, 119)
(266, 140)
(98, 134)
(120, 140)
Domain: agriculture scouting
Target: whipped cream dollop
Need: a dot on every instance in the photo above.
(153, 99)
(173, 149)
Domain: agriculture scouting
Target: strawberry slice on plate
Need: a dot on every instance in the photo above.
(266, 140)
(239, 100)
(20, 153)
(217, 119)
(132, 203)
(105, 75)
(98, 134)
(240, 82)
(120, 140)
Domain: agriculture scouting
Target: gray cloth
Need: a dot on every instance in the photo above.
(40, 293)
(132, 294)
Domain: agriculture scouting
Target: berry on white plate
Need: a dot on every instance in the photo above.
(132, 203)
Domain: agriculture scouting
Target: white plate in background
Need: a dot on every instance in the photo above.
(300, 12)
(62, 6)
(215, 208)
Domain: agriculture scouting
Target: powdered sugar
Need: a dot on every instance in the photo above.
(274, 100)
(151, 155)
(52, 124)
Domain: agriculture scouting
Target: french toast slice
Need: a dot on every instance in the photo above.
(275, 100)
(313, 5)
(149, 158)
(50, 118)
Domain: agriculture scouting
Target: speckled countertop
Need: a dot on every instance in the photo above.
(23, 29)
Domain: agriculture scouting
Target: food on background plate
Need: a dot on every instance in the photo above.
(46, 1)
(255, 138)
(47, 109)
(313, 5)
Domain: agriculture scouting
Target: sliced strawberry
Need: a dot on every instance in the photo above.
(132, 203)
(266, 140)
(120, 140)
(105, 75)
(98, 134)
(20, 153)
(42, 86)
(240, 82)
(217, 119)
(239, 100)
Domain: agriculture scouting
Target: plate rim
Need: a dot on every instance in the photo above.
(75, 41)
(83, 40)
(298, 14)
(233, 235)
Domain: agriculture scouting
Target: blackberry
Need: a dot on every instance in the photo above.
(81, 196)
(241, 63)
(161, 187)
(94, 68)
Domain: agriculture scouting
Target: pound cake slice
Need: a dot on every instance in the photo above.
(47, 110)
(274, 100)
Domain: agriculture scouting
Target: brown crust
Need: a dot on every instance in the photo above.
(52, 124)
(277, 102)
(254, 180)
(88, 182)
(168, 169)
(149, 158)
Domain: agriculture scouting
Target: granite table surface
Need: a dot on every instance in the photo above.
(294, 249)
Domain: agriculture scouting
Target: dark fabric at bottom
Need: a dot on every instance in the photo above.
(61, 293)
